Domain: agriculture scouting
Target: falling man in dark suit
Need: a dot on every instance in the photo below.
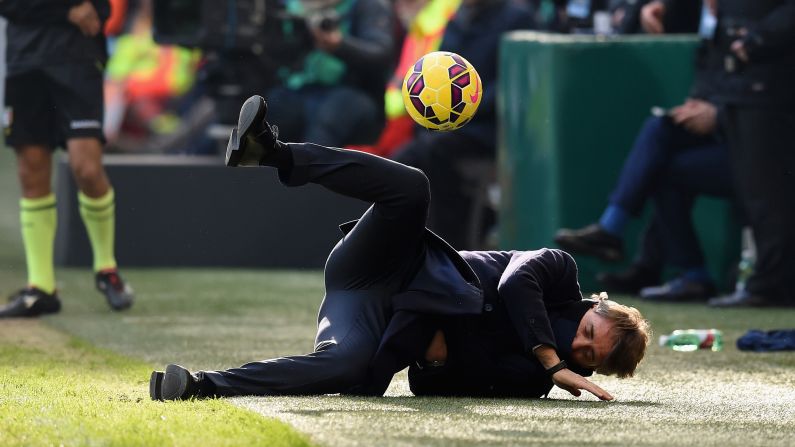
(480, 323)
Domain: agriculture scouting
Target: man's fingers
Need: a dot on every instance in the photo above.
(576, 392)
(598, 392)
(679, 116)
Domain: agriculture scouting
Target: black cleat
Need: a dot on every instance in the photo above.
(592, 240)
(118, 294)
(177, 384)
(30, 302)
(253, 139)
(155, 383)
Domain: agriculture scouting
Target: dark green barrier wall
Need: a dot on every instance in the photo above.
(570, 107)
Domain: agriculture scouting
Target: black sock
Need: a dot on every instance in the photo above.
(280, 157)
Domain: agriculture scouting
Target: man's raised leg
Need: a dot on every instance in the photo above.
(389, 234)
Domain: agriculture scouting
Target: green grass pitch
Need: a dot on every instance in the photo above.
(81, 377)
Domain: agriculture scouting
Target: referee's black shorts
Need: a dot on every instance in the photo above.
(50, 105)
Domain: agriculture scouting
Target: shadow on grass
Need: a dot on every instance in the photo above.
(451, 405)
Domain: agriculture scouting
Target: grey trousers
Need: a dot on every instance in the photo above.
(369, 265)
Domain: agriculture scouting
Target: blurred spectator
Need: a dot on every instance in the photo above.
(424, 22)
(334, 95)
(144, 83)
(474, 33)
(647, 266)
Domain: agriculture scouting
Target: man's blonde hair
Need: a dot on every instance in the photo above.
(632, 334)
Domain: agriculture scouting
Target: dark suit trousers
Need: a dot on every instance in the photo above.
(369, 265)
(672, 166)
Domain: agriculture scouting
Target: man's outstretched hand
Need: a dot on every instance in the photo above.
(573, 383)
(565, 378)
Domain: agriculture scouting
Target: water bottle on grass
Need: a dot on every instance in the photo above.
(693, 339)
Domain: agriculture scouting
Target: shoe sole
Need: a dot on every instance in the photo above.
(178, 374)
(155, 382)
(253, 109)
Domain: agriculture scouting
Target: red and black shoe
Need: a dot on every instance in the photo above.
(30, 302)
(118, 294)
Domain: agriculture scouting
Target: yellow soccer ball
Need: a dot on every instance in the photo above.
(442, 91)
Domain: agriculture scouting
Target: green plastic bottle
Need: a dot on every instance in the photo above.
(693, 339)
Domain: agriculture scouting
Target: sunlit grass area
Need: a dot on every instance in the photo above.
(57, 390)
(86, 381)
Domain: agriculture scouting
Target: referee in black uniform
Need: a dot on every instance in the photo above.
(55, 56)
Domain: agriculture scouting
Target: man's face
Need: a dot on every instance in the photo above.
(593, 341)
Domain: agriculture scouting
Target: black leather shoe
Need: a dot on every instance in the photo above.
(30, 302)
(740, 298)
(253, 139)
(679, 290)
(629, 280)
(177, 383)
(592, 240)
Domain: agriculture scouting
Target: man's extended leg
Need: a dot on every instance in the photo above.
(658, 142)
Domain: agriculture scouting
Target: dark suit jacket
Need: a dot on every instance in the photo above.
(458, 291)
(482, 361)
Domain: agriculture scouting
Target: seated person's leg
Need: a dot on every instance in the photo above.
(658, 141)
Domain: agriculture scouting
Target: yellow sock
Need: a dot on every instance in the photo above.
(99, 217)
(39, 218)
